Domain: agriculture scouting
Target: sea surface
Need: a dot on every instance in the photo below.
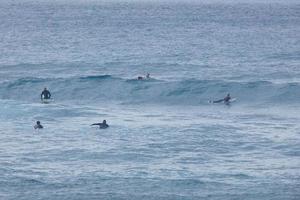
(165, 141)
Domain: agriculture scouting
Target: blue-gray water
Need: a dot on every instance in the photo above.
(165, 140)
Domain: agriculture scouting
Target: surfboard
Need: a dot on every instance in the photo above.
(232, 100)
(46, 101)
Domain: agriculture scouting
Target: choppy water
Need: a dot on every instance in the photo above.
(165, 140)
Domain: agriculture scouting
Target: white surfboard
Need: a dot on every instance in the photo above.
(46, 101)
(232, 100)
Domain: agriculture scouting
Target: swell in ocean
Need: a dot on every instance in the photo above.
(131, 91)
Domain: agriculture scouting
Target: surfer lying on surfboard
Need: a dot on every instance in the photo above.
(143, 78)
(101, 125)
(225, 99)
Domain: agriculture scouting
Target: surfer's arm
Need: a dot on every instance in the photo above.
(96, 124)
(218, 101)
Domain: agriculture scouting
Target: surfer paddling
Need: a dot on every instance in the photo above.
(102, 125)
(143, 78)
(225, 99)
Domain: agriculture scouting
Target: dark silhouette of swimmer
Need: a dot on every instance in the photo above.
(142, 78)
(102, 125)
(45, 94)
(38, 125)
(225, 100)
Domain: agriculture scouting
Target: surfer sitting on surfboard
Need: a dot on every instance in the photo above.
(45, 94)
(225, 100)
(102, 125)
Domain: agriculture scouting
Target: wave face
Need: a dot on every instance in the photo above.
(185, 92)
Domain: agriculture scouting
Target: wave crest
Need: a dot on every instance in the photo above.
(188, 92)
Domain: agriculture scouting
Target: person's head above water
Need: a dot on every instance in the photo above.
(104, 122)
(38, 125)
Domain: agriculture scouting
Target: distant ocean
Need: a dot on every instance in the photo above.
(165, 140)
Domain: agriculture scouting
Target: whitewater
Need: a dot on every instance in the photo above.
(165, 141)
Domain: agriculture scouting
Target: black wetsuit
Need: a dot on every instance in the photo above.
(101, 125)
(38, 126)
(226, 100)
(46, 94)
(218, 101)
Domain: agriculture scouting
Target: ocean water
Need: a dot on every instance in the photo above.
(165, 140)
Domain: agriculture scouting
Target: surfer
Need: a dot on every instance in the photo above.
(225, 99)
(102, 125)
(142, 78)
(45, 94)
(38, 125)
